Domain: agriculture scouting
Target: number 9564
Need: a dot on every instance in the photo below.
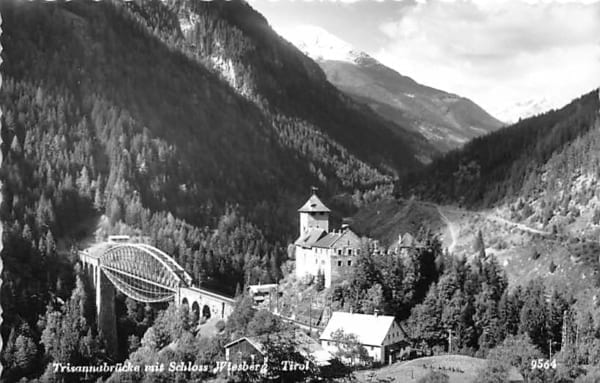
(543, 364)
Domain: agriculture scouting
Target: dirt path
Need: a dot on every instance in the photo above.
(493, 217)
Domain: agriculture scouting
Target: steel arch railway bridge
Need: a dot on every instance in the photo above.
(144, 274)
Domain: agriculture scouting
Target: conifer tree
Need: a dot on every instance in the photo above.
(320, 281)
(533, 316)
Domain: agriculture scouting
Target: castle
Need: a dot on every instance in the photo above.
(317, 249)
(334, 252)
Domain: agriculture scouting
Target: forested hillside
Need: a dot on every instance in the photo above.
(107, 114)
(309, 115)
(505, 164)
(237, 42)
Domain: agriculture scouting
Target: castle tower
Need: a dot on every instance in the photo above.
(314, 214)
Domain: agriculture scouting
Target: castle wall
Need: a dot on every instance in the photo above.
(310, 260)
(314, 220)
(335, 262)
(341, 266)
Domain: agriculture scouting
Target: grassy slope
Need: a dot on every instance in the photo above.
(386, 219)
(413, 370)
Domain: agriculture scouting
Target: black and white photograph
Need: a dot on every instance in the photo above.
(343, 191)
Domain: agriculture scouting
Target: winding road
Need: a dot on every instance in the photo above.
(493, 217)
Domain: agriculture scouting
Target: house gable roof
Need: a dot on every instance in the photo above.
(255, 342)
(305, 345)
(369, 329)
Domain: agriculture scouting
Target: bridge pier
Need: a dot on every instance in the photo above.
(104, 293)
(105, 310)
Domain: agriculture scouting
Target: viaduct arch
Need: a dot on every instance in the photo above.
(144, 274)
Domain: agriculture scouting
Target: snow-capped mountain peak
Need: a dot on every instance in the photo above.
(445, 120)
(321, 45)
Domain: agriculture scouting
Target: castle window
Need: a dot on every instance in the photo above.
(349, 263)
(349, 251)
(339, 263)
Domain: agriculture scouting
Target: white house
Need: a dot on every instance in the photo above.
(381, 335)
(318, 249)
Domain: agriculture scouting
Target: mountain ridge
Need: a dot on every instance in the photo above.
(501, 166)
(276, 76)
(445, 119)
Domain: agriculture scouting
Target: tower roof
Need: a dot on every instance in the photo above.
(314, 205)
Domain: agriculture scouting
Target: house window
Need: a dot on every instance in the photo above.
(340, 263)
(349, 251)
(357, 251)
(349, 263)
(339, 251)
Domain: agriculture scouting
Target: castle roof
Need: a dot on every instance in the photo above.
(314, 205)
(328, 240)
(408, 241)
(316, 237)
(311, 237)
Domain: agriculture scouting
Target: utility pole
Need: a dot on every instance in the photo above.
(577, 342)
(449, 340)
(310, 317)
(277, 297)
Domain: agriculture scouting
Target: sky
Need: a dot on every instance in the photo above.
(502, 54)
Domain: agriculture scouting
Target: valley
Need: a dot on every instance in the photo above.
(446, 120)
(260, 204)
